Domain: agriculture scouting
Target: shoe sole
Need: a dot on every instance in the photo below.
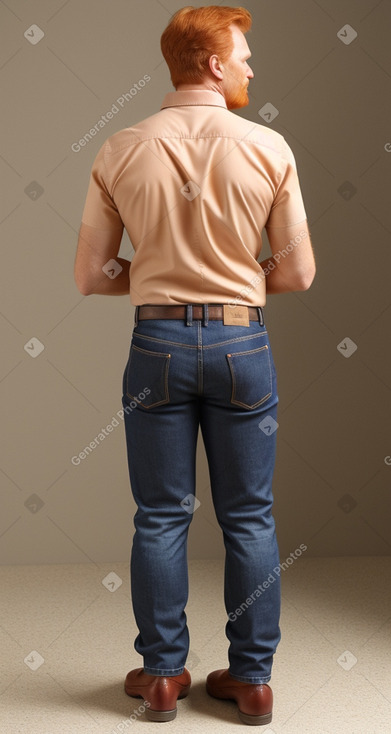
(255, 720)
(160, 715)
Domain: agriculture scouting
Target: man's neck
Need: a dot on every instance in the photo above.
(209, 86)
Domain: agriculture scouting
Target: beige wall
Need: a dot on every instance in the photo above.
(332, 481)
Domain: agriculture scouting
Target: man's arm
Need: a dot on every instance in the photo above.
(95, 248)
(292, 264)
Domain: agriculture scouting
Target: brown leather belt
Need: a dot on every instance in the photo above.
(215, 312)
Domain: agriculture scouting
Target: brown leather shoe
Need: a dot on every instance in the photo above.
(255, 700)
(160, 691)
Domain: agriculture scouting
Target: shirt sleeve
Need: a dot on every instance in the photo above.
(100, 210)
(288, 206)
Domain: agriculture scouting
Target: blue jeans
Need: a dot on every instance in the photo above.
(181, 375)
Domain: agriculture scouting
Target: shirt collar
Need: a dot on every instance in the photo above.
(191, 97)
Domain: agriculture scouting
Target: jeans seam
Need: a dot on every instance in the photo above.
(165, 341)
(235, 340)
(149, 351)
(251, 351)
(200, 361)
(195, 346)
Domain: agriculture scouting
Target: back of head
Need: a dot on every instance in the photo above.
(195, 34)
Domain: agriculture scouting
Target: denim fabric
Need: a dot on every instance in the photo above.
(181, 375)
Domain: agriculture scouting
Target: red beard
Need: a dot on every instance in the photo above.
(238, 99)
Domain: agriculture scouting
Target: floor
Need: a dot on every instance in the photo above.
(66, 636)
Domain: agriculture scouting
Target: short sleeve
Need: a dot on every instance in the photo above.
(100, 210)
(288, 206)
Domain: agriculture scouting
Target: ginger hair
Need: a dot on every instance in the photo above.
(193, 35)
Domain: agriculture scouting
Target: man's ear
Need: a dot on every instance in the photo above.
(216, 67)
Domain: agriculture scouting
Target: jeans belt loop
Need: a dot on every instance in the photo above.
(260, 316)
(205, 313)
(189, 314)
(136, 315)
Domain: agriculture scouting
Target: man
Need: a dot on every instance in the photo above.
(194, 185)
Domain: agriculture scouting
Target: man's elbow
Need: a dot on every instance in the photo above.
(304, 279)
(84, 291)
(83, 285)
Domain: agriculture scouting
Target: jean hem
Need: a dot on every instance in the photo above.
(257, 680)
(163, 671)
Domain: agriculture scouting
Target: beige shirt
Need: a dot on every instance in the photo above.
(194, 185)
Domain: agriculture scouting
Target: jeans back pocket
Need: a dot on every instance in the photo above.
(147, 377)
(251, 377)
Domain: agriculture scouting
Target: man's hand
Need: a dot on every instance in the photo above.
(292, 264)
(94, 250)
